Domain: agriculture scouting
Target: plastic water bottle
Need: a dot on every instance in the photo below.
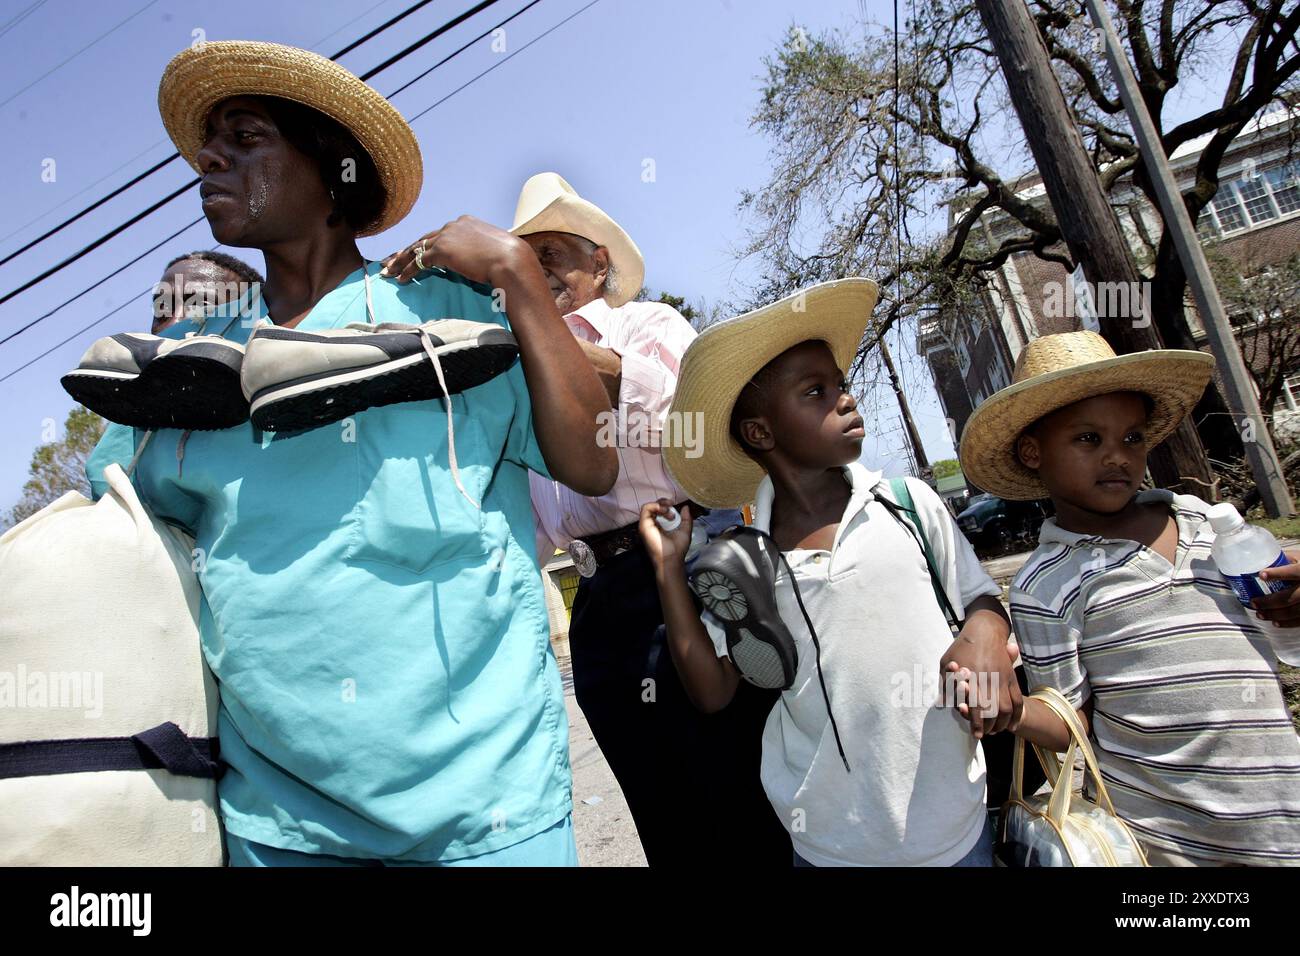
(1241, 551)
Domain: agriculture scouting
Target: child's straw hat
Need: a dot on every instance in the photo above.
(722, 360)
(200, 77)
(1059, 370)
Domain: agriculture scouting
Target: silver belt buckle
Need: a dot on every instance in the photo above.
(584, 560)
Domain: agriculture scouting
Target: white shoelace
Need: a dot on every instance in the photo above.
(442, 383)
(446, 399)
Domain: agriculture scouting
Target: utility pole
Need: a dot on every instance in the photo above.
(1087, 221)
(913, 436)
(1240, 394)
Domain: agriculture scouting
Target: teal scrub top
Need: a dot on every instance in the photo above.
(387, 683)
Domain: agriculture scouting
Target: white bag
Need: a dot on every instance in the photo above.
(1063, 828)
(99, 638)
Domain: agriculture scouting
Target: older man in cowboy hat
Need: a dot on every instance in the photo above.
(372, 607)
(691, 780)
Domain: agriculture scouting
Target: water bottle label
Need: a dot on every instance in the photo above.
(1248, 586)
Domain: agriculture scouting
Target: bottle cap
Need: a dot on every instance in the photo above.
(669, 522)
(1224, 518)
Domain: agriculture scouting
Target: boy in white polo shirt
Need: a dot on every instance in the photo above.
(1122, 609)
(859, 759)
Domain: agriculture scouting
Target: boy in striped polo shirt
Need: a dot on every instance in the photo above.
(1122, 609)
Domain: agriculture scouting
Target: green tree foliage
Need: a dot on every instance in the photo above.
(59, 466)
(946, 468)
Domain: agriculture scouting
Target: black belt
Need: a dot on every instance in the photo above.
(164, 747)
(610, 544)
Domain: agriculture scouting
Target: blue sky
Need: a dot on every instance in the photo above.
(623, 82)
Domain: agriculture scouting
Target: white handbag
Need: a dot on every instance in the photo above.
(108, 714)
(1063, 828)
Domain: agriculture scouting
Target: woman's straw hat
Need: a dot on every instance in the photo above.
(200, 77)
(549, 204)
(1059, 370)
(722, 360)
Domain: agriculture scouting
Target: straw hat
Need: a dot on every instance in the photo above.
(200, 77)
(724, 357)
(549, 204)
(1059, 370)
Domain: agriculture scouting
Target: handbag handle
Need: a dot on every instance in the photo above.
(1060, 771)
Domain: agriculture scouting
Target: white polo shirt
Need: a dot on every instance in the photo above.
(915, 792)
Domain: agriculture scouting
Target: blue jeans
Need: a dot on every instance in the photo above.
(551, 847)
(981, 854)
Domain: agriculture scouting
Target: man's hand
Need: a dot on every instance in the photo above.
(1281, 607)
(988, 695)
(479, 251)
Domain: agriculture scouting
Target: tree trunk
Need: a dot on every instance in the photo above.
(1086, 219)
(1219, 434)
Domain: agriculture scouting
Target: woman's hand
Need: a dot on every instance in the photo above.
(666, 548)
(479, 251)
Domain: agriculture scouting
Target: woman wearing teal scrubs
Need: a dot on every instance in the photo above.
(388, 692)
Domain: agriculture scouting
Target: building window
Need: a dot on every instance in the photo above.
(1248, 202)
(1286, 190)
(1205, 225)
(1227, 209)
(1289, 400)
(1254, 194)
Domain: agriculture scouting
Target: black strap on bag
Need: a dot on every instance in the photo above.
(999, 749)
(165, 747)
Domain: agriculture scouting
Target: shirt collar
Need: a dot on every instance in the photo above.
(595, 313)
(860, 478)
(1052, 533)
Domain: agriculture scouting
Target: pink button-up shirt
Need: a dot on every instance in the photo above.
(650, 338)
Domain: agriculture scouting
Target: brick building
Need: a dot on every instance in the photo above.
(1254, 221)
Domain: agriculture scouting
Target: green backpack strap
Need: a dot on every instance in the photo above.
(898, 488)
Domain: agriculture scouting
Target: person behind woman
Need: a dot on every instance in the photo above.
(195, 285)
(372, 607)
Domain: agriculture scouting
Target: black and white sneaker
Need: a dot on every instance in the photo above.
(150, 382)
(297, 380)
(734, 577)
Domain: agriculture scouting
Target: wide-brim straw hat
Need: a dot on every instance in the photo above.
(722, 360)
(200, 77)
(1058, 370)
(549, 204)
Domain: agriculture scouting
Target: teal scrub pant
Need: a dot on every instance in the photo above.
(552, 847)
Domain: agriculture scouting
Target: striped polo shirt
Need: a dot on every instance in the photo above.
(1192, 735)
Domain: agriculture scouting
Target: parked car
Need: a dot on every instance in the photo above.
(996, 526)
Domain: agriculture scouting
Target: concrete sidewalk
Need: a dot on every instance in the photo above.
(602, 823)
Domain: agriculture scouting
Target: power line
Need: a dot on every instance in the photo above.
(14, 21)
(152, 248)
(91, 247)
(347, 23)
(108, 315)
(504, 59)
(157, 166)
(55, 69)
(151, 170)
(462, 49)
(427, 38)
(381, 28)
(91, 208)
(83, 190)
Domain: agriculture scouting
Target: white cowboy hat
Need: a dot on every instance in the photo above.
(1058, 370)
(548, 204)
(724, 357)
